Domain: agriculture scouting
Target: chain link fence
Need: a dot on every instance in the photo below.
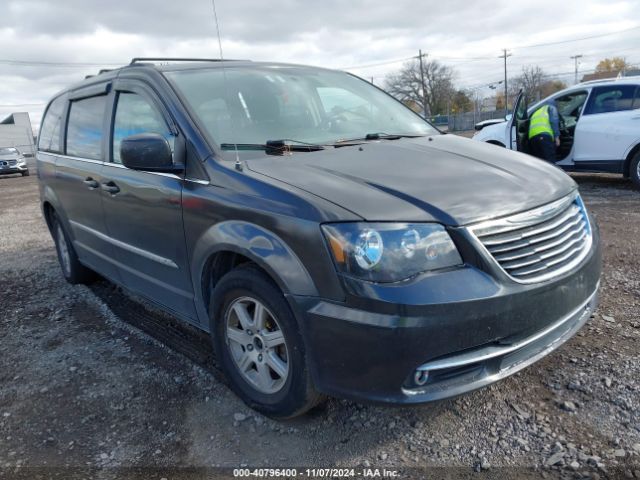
(467, 121)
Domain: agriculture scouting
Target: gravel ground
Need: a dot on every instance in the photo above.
(97, 384)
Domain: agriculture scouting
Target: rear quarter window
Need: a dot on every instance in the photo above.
(49, 140)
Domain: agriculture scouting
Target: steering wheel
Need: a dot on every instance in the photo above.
(563, 123)
(334, 118)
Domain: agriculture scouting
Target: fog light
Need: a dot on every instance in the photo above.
(421, 377)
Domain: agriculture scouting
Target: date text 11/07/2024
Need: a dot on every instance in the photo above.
(315, 473)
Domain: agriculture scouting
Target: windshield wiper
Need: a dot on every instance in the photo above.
(391, 136)
(382, 136)
(275, 147)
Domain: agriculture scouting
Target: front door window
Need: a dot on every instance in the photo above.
(134, 115)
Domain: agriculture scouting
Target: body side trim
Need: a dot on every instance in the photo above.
(138, 251)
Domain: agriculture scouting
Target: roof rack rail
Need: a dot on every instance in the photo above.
(170, 59)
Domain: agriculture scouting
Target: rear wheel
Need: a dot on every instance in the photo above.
(74, 272)
(258, 345)
(634, 170)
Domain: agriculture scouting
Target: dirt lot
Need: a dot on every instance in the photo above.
(96, 384)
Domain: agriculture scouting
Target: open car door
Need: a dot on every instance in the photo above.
(519, 124)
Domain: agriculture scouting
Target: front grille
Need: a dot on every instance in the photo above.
(13, 163)
(539, 244)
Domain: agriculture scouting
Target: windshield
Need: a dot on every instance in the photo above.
(8, 151)
(317, 106)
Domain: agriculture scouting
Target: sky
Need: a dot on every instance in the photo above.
(46, 45)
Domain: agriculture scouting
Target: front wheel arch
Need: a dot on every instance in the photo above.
(222, 262)
(248, 243)
(626, 170)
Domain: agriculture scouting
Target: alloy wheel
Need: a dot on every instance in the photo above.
(257, 344)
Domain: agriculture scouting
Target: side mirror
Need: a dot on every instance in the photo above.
(148, 151)
(508, 117)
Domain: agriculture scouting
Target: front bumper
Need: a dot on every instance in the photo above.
(8, 169)
(464, 327)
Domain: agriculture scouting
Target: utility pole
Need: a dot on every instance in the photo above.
(504, 55)
(424, 88)
(575, 58)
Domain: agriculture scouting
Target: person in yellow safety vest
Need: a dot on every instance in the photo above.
(544, 132)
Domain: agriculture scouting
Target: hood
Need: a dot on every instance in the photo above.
(448, 179)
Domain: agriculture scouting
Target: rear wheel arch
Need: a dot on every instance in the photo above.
(48, 211)
(50, 205)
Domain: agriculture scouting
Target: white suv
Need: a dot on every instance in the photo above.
(599, 124)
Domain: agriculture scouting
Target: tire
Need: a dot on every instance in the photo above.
(282, 392)
(26, 173)
(74, 272)
(634, 170)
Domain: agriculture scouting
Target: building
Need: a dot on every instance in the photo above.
(611, 74)
(632, 72)
(15, 131)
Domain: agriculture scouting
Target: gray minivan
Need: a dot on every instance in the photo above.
(330, 240)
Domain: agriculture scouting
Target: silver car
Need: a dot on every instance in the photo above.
(12, 161)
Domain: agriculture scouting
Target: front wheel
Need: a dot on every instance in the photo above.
(25, 173)
(259, 346)
(634, 170)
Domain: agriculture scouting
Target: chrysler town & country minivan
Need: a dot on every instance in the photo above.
(330, 240)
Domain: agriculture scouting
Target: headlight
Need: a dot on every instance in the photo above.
(389, 252)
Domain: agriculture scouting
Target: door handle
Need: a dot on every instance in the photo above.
(110, 187)
(91, 183)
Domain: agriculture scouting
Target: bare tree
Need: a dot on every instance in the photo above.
(530, 80)
(406, 86)
(551, 86)
(535, 83)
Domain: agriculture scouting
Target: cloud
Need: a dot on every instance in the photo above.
(332, 33)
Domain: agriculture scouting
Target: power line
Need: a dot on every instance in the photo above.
(39, 63)
(23, 105)
(44, 63)
(475, 58)
(368, 65)
(579, 39)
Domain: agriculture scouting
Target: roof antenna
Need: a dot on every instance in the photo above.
(224, 73)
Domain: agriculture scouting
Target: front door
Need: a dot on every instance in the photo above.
(519, 124)
(143, 210)
(609, 125)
